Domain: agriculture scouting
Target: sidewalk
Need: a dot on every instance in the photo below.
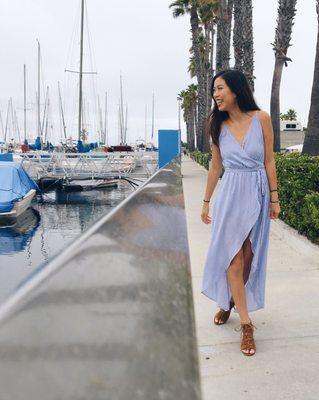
(286, 363)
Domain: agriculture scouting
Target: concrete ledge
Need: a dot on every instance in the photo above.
(112, 316)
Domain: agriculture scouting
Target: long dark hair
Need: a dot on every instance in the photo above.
(238, 84)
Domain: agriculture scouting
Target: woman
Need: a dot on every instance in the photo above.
(247, 198)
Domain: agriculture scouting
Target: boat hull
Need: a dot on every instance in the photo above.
(19, 206)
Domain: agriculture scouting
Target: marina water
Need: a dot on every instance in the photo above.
(48, 227)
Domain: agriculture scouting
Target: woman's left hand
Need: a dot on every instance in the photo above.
(274, 210)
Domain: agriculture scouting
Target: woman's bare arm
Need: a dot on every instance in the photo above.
(269, 160)
(214, 172)
(269, 153)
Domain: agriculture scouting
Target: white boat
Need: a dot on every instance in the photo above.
(17, 189)
(19, 206)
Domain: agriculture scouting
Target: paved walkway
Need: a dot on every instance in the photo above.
(286, 364)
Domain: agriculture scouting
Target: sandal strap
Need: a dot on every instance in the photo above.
(248, 342)
(240, 327)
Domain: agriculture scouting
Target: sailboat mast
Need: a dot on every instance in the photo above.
(17, 126)
(153, 117)
(7, 121)
(125, 130)
(45, 111)
(179, 115)
(81, 72)
(47, 118)
(106, 134)
(62, 113)
(121, 111)
(100, 138)
(120, 123)
(39, 90)
(145, 125)
(1, 123)
(25, 101)
(13, 126)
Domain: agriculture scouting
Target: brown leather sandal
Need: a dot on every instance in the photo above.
(222, 316)
(248, 347)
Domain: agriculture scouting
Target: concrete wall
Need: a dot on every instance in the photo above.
(291, 138)
(112, 316)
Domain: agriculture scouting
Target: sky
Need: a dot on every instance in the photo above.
(150, 49)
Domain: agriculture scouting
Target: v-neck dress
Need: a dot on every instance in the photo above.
(240, 210)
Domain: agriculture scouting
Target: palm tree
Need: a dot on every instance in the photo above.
(182, 7)
(188, 100)
(286, 14)
(290, 115)
(208, 16)
(224, 21)
(311, 142)
(243, 39)
(194, 8)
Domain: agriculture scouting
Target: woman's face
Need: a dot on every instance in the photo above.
(223, 96)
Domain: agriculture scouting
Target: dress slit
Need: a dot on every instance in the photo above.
(251, 259)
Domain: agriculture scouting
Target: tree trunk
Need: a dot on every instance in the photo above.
(311, 143)
(248, 43)
(243, 39)
(210, 72)
(238, 35)
(223, 34)
(286, 13)
(192, 128)
(203, 144)
(196, 126)
(187, 131)
(275, 102)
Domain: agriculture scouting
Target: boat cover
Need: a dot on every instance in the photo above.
(14, 184)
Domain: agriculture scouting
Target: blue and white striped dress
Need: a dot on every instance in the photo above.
(241, 208)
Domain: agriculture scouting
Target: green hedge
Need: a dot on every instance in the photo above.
(298, 189)
(201, 158)
(298, 186)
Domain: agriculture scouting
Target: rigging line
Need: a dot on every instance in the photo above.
(73, 35)
(17, 125)
(7, 122)
(42, 75)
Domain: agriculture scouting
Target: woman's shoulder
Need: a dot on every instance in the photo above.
(263, 116)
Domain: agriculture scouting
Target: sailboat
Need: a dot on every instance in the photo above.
(122, 125)
(81, 132)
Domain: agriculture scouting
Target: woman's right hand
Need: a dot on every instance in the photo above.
(204, 215)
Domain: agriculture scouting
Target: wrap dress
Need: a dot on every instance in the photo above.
(240, 210)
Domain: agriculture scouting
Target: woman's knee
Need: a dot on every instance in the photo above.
(236, 266)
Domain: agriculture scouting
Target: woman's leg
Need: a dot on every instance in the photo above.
(237, 275)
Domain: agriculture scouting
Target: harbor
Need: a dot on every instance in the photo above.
(56, 217)
(60, 172)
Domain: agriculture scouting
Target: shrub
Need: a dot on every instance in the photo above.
(298, 189)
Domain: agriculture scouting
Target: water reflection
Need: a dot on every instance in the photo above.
(64, 216)
(15, 236)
